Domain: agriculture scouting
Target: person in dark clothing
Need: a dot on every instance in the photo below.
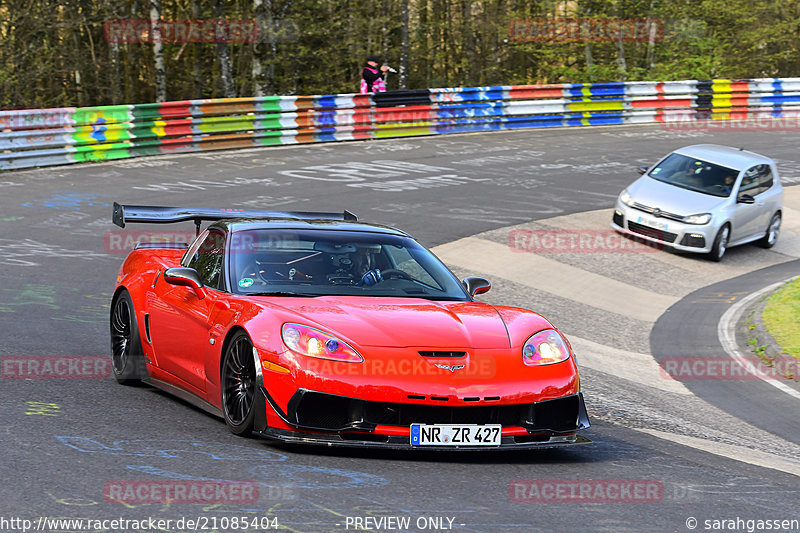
(372, 77)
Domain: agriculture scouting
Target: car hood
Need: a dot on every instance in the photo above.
(672, 199)
(400, 322)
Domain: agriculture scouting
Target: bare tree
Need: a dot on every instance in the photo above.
(197, 82)
(272, 26)
(470, 52)
(263, 69)
(130, 60)
(115, 73)
(223, 52)
(622, 63)
(158, 51)
(403, 77)
(652, 29)
(385, 32)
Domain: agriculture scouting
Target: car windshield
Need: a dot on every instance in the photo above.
(343, 263)
(695, 174)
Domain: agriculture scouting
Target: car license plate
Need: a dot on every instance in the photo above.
(657, 224)
(455, 435)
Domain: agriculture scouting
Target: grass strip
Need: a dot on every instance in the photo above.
(781, 317)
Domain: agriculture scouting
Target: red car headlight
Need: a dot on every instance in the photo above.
(545, 348)
(312, 342)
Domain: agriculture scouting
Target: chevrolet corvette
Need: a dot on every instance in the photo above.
(316, 328)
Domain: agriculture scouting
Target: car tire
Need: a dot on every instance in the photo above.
(238, 388)
(773, 231)
(720, 243)
(127, 356)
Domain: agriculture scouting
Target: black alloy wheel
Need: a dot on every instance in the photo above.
(127, 358)
(238, 383)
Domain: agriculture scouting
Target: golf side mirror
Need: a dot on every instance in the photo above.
(745, 199)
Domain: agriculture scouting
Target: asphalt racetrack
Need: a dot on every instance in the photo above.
(703, 450)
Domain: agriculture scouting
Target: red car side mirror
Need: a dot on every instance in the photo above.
(186, 277)
(475, 285)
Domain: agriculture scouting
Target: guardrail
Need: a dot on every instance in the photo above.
(41, 137)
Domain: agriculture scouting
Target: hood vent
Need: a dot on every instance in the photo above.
(425, 353)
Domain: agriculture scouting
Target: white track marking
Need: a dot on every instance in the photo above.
(726, 331)
(737, 453)
(637, 367)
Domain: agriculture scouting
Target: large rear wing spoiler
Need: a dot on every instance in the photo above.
(147, 214)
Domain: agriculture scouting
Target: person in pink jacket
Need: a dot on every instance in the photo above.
(372, 77)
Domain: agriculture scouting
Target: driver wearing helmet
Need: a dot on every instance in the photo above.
(352, 262)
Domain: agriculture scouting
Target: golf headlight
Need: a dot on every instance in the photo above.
(312, 342)
(703, 218)
(545, 348)
(625, 198)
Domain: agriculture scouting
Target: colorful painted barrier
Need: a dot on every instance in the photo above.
(41, 137)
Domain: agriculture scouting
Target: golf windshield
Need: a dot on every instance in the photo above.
(696, 175)
(281, 262)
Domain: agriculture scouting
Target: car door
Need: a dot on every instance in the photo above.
(746, 219)
(181, 321)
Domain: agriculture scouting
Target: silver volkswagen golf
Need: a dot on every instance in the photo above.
(704, 198)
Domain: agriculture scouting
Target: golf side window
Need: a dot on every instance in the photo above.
(749, 182)
(765, 178)
(756, 180)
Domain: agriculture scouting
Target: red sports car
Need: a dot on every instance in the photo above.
(316, 328)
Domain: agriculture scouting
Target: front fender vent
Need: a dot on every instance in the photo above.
(147, 328)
